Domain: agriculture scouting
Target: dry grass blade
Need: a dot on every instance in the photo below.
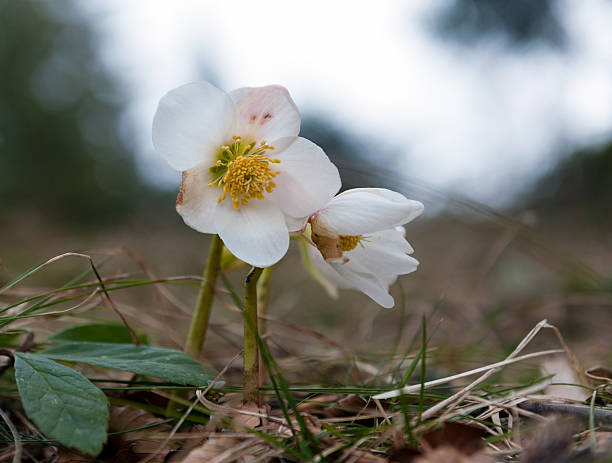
(448, 379)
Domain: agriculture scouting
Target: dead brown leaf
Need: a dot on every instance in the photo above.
(448, 454)
(135, 445)
(68, 456)
(223, 449)
(550, 442)
(464, 438)
(362, 456)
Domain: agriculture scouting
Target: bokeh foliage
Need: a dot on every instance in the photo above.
(60, 150)
(518, 22)
(578, 186)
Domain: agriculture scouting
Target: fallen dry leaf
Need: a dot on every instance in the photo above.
(549, 442)
(135, 445)
(225, 449)
(68, 456)
(362, 456)
(447, 454)
(465, 438)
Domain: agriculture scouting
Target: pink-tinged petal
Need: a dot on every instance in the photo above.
(196, 201)
(191, 123)
(367, 210)
(265, 113)
(256, 233)
(365, 282)
(307, 180)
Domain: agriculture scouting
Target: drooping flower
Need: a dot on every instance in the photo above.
(247, 176)
(360, 241)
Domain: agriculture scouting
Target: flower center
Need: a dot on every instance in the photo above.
(243, 171)
(348, 242)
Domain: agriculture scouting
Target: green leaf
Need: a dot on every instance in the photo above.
(167, 364)
(63, 403)
(94, 332)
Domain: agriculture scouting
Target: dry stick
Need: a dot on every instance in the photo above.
(16, 438)
(201, 314)
(251, 350)
(601, 415)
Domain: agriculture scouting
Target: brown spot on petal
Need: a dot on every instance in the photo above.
(179, 197)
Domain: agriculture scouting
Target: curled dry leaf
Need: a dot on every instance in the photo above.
(599, 375)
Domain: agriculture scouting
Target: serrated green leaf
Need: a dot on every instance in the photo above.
(94, 332)
(63, 403)
(167, 364)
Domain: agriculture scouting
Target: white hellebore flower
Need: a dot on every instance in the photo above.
(247, 176)
(361, 242)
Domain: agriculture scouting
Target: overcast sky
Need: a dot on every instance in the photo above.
(478, 120)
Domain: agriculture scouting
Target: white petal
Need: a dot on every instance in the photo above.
(367, 210)
(196, 201)
(191, 123)
(365, 282)
(308, 179)
(392, 239)
(256, 233)
(265, 113)
(295, 224)
(382, 260)
(327, 270)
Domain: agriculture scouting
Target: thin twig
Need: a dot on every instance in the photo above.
(16, 438)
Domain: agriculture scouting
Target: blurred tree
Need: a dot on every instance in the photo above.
(60, 152)
(518, 21)
(578, 186)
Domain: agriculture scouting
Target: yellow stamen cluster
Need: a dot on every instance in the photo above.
(348, 242)
(245, 172)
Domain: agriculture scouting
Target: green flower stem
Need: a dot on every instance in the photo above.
(263, 296)
(201, 314)
(251, 351)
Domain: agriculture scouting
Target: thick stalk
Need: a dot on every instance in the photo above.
(251, 351)
(201, 313)
(263, 296)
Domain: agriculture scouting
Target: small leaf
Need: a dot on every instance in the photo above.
(167, 364)
(63, 403)
(94, 332)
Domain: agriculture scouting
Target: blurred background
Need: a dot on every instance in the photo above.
(497, 115)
